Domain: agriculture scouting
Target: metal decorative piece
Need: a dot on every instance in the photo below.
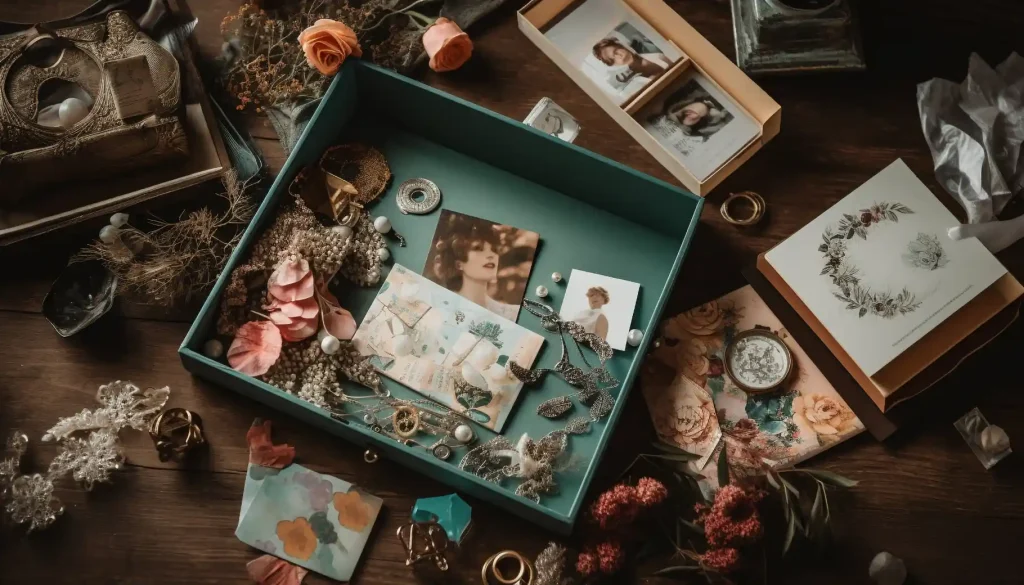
(176, 431)
(442, 452)
(757, 203)
(989, 443)
(780, 36)
(758, 361)
(424, 541)
(407, 192)
(555, 408)
(406, 420)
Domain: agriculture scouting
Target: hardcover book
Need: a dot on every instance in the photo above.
(880, 282)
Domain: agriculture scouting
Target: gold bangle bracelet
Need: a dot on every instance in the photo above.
(755, 200)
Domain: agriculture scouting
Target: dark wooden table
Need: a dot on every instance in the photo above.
(923, 497)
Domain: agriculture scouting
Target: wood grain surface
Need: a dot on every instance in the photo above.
(924, 496)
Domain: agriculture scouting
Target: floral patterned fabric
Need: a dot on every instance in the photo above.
(804, 418)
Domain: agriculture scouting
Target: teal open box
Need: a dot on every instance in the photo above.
(591, 213)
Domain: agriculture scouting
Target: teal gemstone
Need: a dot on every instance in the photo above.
(451, 512)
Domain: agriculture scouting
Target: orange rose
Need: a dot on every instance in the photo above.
(298, 538)
(327, 44)
(353, 513)
(447, 45)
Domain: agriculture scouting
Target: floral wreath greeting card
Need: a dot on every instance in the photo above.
(878, 269)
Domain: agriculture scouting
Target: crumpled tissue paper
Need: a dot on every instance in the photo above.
(974, 130)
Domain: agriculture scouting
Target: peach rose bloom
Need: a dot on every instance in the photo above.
(327, 44)
(447, 45)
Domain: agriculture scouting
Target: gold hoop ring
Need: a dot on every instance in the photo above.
(176, 431)
(753, 198)
(490, 569)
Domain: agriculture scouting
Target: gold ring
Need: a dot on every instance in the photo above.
(370, 456)
(490, 569)
(176, 431)
(755, 200)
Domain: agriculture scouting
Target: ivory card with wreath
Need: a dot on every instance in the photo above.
(878, 269)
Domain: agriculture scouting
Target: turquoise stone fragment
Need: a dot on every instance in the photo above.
(451, 512)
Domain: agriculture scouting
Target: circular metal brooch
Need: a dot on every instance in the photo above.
(758, 361)
(418, 196)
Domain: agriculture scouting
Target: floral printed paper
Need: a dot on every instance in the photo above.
(312, 520)
(802, 419)
(430, 339)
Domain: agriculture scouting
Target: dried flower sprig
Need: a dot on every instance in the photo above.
(178, 260)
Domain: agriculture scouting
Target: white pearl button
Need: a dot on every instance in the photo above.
(542, 291)
(634, 337)
(382, 224)
(343, 230)
(119, 220)
(330, 344)
(463, 434)
(556, 277)
(383, 254)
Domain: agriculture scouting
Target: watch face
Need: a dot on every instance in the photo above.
(806, 4)
(758, 361)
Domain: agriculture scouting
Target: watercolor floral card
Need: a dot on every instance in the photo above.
(803, 418)
(446, 347)
(307, 518)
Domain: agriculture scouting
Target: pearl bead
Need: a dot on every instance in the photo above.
(463, 434)
(108, 235)
(556, 276)
(119, 220)
(330, 345)
(71, 111)
(634, 337)
(383, 254)
(213, 349)
(342, 230)
(542, 291)
(382, 224)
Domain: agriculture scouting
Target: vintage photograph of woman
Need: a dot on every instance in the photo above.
(592, 318)
(484, 262)
(694, 111)
(626, 60)
(602, 305)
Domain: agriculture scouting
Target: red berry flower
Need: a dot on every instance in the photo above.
(722, 560)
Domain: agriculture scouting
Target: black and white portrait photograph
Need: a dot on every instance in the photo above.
(614, 48)
(698, 124)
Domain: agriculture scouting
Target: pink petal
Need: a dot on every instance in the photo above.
(280, 318)
(299, 330)
(339, 323)
(289, 272)
(262, 451)
(303, 289)
(256, 347)
(270, 570)
(310, 308)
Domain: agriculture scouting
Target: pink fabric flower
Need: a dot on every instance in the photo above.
(293, 306)
(256, 347)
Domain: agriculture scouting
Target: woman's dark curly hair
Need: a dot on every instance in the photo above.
(460, 234)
